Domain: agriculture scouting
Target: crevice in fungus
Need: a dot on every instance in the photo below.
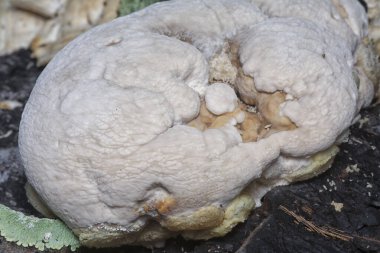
(182, 36)
(261, 110)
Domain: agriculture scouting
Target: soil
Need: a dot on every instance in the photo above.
(339, 211)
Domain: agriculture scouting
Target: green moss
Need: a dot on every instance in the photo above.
(31, 231)
(129, 6)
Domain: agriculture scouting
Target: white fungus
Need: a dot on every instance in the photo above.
(132, 140)
(220, 98)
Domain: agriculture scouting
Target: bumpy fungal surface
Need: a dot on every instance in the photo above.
(178, 118)
(346, 18)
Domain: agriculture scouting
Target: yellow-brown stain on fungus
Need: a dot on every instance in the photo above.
(249, 129)
(166, 205)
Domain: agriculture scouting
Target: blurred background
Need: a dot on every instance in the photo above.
(46, 26)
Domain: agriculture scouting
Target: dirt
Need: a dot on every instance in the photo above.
(339, 211)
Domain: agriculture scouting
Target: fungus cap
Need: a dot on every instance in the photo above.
(117, 139)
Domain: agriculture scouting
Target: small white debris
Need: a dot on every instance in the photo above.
(9, 105)
(344, 138)
(373, 147)
(267, 127)
(356, 119)
(251, 108)
(332, 183)
(363, 121)
(337, 206)
(6, 135)
(357, 141)
(324, 187)
(352, 168)
(369, 185)
(369, 194)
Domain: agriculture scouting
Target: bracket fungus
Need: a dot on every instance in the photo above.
(178, 118)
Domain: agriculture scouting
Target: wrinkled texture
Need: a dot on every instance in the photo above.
(115, 151)
(346, 18)
(359, 215)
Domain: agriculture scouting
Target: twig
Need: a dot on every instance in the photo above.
(326, 231)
